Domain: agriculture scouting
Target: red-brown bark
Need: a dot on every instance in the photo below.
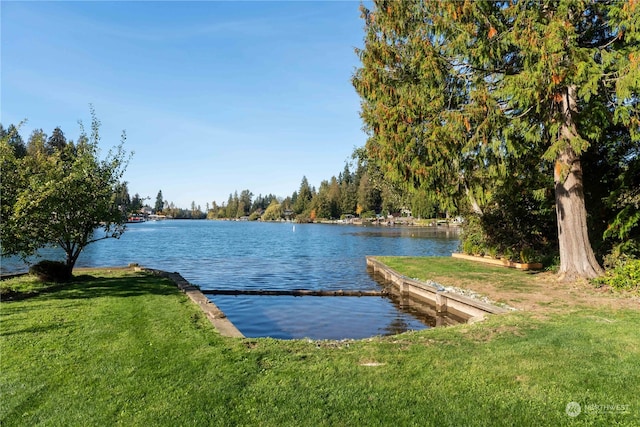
(576, 255)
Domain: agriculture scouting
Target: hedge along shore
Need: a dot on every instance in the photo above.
(216, 316)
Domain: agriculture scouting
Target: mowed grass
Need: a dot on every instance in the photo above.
(451, 271)
(127, 348)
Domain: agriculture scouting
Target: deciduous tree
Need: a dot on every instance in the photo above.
(274, 212)
(65, 199)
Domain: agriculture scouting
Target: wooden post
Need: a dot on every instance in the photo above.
(441, 303)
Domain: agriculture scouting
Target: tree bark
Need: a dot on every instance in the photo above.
(472, 200)
(577, 259)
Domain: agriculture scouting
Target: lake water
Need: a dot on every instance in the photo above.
(281, 256)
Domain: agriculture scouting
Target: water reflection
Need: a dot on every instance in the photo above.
(422, 310)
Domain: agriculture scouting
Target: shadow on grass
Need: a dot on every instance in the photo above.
(41, 329)
(87, 286)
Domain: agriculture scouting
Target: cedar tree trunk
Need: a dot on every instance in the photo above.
(576, 255)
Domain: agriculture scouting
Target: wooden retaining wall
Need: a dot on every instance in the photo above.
(434, 294)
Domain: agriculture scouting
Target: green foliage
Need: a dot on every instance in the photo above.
(274, 212)
(51, 271)
(351, 193)
(625, 275)
(422, 206)
(625, 221)
(492, 251)
(62, 197)
(244, 203)
(502, 232)
(623, 231)
(10, 184)
(305, 194)
(368, 214)
(159, 205)
(629, 249)
(473, 239)
(57, 141)
(462, 100)
(12, 137)
(612, 192)
(520, 218)
(527, 255)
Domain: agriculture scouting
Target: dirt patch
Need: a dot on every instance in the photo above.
(544, 292)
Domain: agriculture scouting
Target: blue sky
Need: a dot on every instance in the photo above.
(214, 96)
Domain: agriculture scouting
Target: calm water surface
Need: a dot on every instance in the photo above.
(252, 255)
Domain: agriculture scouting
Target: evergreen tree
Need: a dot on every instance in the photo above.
(245, 202)
(335, 198)
(369, 198)
(122, 199)
(258, 204)
(453, 93)
(15, 141)
(159, 202)
(57, 141)
(232, 206)
(136, 203)
(348, 192)
(304, 196)
(321, 203)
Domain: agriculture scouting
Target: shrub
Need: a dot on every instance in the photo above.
(368, 214)
(255, 215)
(550, 261)
(492, 251)
(497, 236)
(473, 238)
(625, 275)
(477, 250)
(527, 255)
(621, 253)
(467, 247)
(509, 254)
(51, 271)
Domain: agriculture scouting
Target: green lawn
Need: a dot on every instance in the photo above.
(125, 348)
(453, 271)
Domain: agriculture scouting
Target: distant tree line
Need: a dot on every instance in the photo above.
(358, 193)
(39, 143)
